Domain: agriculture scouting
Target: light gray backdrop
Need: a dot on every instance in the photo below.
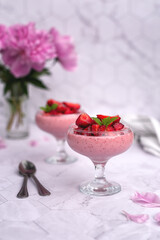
(118, 46)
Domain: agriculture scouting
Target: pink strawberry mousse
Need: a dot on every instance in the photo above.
(56, 125)
(100, 148)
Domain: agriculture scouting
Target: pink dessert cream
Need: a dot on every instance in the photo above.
(56, 125)
(99, 139)
(55, 118)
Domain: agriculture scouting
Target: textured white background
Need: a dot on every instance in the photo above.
(118, 46)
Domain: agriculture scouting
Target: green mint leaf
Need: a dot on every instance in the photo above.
(48, 108)
(108, 120)
(97, 120)
(43, 108)
(54, 106)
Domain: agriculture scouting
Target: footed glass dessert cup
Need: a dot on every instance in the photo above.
(57, 126)
(99, 148)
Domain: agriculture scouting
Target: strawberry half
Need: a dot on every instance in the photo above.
(102, 128)
(118, 126)
(53, 112)
(84, 120)
(78, 130)
(101, 116)
(110, 128)
(61, 108)
(50, 102)
(95, 128)
(87, 131)
(72, 106)
(117, 120)
(68, 111)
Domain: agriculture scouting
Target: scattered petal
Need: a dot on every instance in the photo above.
(33, 143)
(157, 218)
(2, 144)
(146, 199)
(46, 138)
(140, 218)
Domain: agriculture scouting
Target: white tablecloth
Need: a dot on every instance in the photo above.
(67, 214)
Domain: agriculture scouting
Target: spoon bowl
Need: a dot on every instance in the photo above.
(27, 168)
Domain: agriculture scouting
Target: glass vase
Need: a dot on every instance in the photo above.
(16, 114)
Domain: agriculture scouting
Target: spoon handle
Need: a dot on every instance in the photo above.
(41, 190)
(23, 193)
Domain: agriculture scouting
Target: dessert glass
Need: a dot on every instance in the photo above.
(57, 126)
(100, 149)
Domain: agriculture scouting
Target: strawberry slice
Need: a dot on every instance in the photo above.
(87, 131)
(95, 128)
(78, 130)
(84, 120)
(68, 111)
(61, 108)
(102, 128)
(110, 128)
(101, 116)
(117, 120)
(72, 106)
(50, 102)
(118, 126)
(54, 112)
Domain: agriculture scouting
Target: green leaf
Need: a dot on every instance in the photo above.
(6, 88)
(48, 108)
(108, 120)
(54, 106)
(36, 82)
(36, 74)
(43, 108)
(97, 120)
(24, 87)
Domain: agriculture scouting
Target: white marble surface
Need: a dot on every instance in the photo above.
(67, 213)
(118, 48)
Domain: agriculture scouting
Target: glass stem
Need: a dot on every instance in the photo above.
(61, 152)
(99, 173)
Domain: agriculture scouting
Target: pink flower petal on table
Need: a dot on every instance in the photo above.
(33, 143)
(146, 199)
(157, 218)
(46, 138)
(140, 218)
(2, 144)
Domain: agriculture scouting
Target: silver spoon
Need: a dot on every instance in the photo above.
(28, 169)
(23, 193)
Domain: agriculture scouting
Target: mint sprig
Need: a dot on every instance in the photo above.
(97, 120)
(48, 108)
(105, 121)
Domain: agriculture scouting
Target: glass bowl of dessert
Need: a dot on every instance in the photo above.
(55, 119)
(99, 138)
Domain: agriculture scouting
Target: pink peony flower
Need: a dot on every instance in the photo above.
(2, 36)
(65, 50)
(26, 49)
